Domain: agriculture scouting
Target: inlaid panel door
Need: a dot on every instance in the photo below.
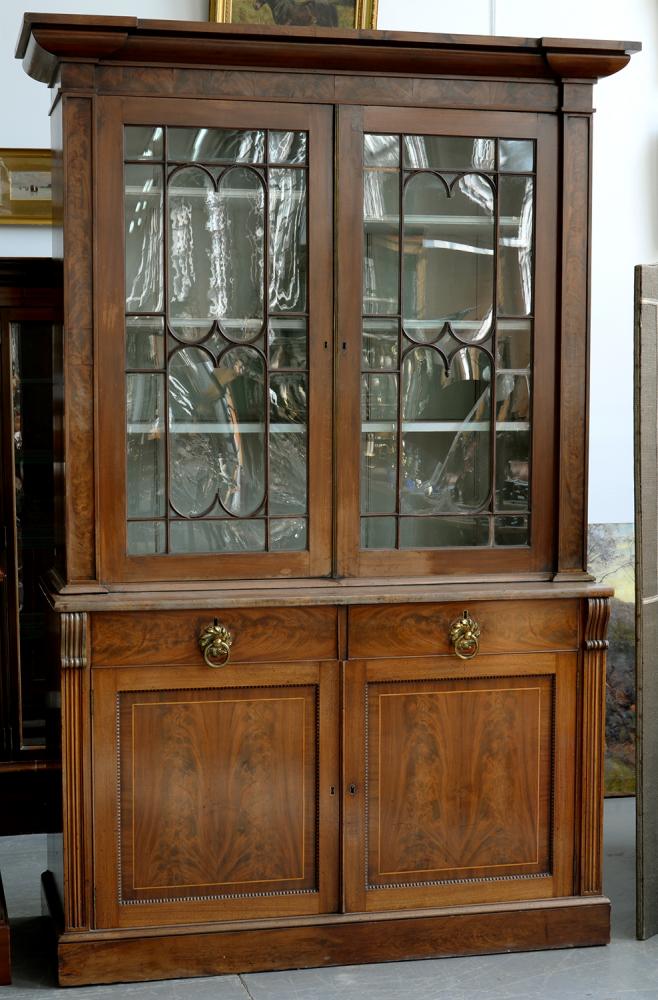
(216, 793)
(459, 779)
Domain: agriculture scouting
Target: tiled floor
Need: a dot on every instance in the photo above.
(626, 970)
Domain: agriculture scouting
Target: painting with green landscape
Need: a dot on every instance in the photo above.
(319, 13)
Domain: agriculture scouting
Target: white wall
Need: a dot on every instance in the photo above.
(625, 198)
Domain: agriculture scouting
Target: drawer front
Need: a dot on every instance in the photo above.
(424, 629)
(260, 635)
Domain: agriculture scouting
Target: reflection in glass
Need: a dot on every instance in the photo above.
(515, 246)
(379, 488)
(288, 534)
(512, 398)
(287, 342)
(217, 536)
(512, 469)
(237, 231)
(288, 249)
(287, 147)
(143, 142)
(377, 532)
(144, 342)
(146, 537)
(145, 445)
(143, 238)
(517, 155)
(445, 431)
(381, 150)
(380, 343)
(514, 344)
(381, 262)
(511, 530)
(379, 399)
(191, 192)
(215, 145)
(448, 256)
(439, 152)
(443, 532)
(288, 444)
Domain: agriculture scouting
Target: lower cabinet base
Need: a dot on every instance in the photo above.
(88, 957)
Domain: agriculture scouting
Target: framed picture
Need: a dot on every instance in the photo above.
(301, 13)
(26, 187)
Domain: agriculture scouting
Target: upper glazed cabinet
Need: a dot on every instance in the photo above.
(215, 378)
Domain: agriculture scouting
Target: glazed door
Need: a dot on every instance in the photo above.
(215, 339)
(459, 780)
(447, 319)
(215, 793)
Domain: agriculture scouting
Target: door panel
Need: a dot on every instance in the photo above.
(221, 790)
(460, 780)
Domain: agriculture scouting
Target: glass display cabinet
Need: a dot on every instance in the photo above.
(332, 668)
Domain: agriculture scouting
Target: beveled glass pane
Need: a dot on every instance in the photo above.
(237, 231)
(216, 145)
(512, 469)
(515, 200)
(143, 142)
(287, 147)
(514, 345)
(288, 534)
(144, 342)
(381, 150)
(381, 261)
(380, 343)
(511, 530)
(512, 399)
(448, 257)
(377, 532)
(378, 472)
(443, 532)
(146, 537)
(191, 207)
(440, 152)
(288, 444)
(287, 342)
(288, 246)
(379, 400)
(446, 431)
(145, 450)
(517, 155)
(217, 536)
(143, 237)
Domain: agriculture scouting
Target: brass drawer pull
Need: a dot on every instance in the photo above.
(465, 636)
(215, 642)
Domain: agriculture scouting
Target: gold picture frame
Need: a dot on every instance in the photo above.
(26, 192)
(310, 13)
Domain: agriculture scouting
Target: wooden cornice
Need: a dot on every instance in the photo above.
(47, 40)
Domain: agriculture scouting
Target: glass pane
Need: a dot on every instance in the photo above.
(448, 257)
(517, 155)
(381, 263)
(512, 400)
(379, 400)
(288, 535)
(443, 532)
(288, 250)
(143, 226)
(512, 469)
(143, 142)
(515, 246)
(145, 446)
(514, 345)
(191, 198)
(511, 530)
(144, 342)
(381, 150)
(454, 152)
(287, 147)
(380, 343)
(379, 452)
(288, 444)
(377, 532)
(217, 536)
(287, 343)
(445, 431)
(216, 145)
(237, 232)
(146, 537)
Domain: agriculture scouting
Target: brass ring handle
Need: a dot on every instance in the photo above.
(465, 636)
(215, 641)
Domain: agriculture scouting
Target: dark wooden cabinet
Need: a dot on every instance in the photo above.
(332, 668)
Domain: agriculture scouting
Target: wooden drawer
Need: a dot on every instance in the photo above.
(423, 629)
(260, 635)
